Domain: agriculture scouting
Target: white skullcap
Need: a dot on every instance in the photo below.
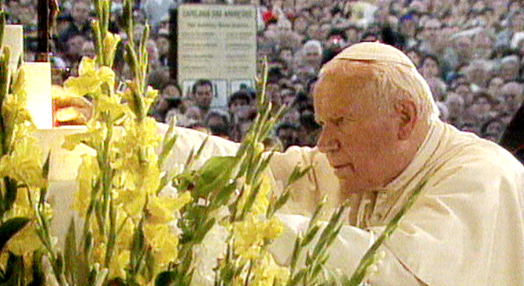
(374, 51)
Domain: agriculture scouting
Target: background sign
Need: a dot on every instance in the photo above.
(218, 43)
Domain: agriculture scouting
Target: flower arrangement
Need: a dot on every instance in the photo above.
(143, 225)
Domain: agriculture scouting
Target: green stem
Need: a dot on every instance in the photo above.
(111, 239)
(107, 172)
(45, 238)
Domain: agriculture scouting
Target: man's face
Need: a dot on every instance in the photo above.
(203, 95)
(429, 68)
(481, 105)
(509, 71)
(75, 44)
(162, 44)
(431, 29)
(287, 55)
(300, 24)
(408, 27)
(360, 142)
(238, 104)
(455, 104)
(170, 91)
(494, 86)
(313, 32)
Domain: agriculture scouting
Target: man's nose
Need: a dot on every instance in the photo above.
(327, 142)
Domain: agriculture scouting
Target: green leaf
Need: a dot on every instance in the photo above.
(45, 168)
(223, 195)
(59, 266)
(165, 278)
(167, 146)
(192, 157)
(277, 204)
(214, 174)
(9, 228)
(71, 256)
(38, 273)
(297, 173)
(310, 234)
(2, 25)
(11, 191)
(14, 275)
(202, 231)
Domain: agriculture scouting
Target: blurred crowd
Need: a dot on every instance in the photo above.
(471, 53)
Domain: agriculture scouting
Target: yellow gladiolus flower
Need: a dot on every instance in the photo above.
(23, 164)
(273, 228)
(119, 263)
(163, 243)
(110, 43)
(162, 209)
(93, 138)
(90, 78)
(268, 273)
(88, 173)
(132, 201)
(111, 105)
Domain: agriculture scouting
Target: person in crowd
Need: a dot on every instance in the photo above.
(494, 85)
(74, 52)
(287, 94)
(512, 95)
(429, 66)
(202, 94)
(163, 46)
(311, 54)
(455, 105)
(170, 98)
(286, 36)
(492, 129)
(288, 134)
(336, 41)
(79, 24)
(384, 141)
(219, 123)
(509, 68)
(88, 49)
(241, 111)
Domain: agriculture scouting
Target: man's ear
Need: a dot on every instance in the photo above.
(408, 115)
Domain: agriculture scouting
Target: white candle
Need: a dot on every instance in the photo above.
(14, 37)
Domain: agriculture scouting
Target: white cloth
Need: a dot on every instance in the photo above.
(466, 228)
(64, 165)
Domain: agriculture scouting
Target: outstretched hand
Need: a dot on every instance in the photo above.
(69, 109)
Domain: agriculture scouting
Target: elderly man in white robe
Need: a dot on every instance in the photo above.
(381, 138)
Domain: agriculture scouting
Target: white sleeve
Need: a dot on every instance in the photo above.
(307, 192)
(345, 253)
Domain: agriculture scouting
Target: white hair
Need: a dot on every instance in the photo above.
(393, 82)
(313, 43)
